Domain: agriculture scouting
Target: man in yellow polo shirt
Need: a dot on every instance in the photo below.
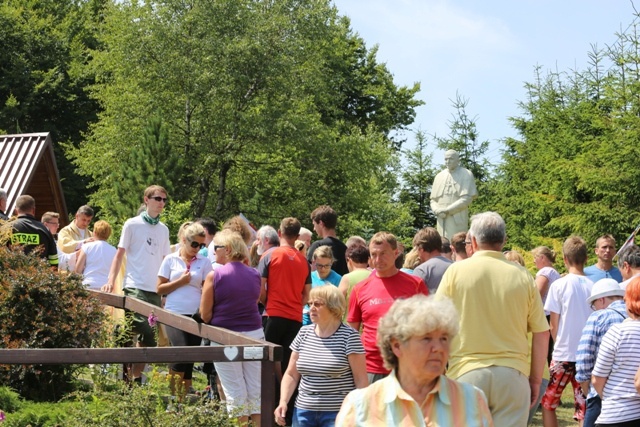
(498, 304)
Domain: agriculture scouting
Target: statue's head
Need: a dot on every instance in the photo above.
(451, 159)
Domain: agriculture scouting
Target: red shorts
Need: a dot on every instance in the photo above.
(561, 373)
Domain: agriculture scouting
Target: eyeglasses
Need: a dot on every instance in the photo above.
(316, 304)
(467, 242)
(159, 199)
(195, 245)
(216, 247)
(57, 224)
(323, 265)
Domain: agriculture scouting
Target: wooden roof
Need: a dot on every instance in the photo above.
(28, 166)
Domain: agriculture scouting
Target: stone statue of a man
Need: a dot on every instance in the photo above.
(452, 192)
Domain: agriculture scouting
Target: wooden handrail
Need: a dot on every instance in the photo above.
(233, 347)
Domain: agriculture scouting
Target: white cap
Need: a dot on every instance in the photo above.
(605, 288)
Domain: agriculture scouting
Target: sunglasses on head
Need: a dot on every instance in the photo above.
(195, 245)
(159, 199)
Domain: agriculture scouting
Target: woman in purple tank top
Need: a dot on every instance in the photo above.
(230, 300)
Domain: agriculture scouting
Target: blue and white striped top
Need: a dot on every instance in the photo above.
(597, 325)
(618, 360)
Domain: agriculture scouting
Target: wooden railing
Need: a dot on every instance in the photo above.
(233, 347)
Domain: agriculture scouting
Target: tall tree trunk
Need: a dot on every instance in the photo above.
(222, 188)
(201, 204)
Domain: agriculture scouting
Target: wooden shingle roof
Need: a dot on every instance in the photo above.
(28, 166)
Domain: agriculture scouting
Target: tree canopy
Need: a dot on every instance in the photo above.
(43, 75)
(573, 168)
(273, 107)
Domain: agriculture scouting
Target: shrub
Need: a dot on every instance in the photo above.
(39, 415)
(141, 407)
(9, 400)
(40, 308)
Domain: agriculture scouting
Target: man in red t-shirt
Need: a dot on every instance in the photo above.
(372, 298)
(286, 282)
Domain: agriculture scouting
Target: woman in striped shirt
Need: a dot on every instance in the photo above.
(328, 361)
(617, 361)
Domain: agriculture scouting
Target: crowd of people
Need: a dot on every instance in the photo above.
(454, 332)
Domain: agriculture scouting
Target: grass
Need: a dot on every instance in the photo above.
(564, 411)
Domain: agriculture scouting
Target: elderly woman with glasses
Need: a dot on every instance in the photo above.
(414, 338)
(324, 275)
(180, 278)
(327, 360)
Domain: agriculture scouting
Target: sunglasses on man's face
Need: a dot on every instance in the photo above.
(196, 245)
(159, 199)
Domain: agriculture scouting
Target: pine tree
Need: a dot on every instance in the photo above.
(417, 181)
(463, 138)
(151, 161)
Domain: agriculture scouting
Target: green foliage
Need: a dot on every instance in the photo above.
(573, 169)
(9, 400)
(417, 180)
(141, 406)
(43, 75)
(463, 138)
(39, 415)
(150, 160)
(41, 309)
(274, 107)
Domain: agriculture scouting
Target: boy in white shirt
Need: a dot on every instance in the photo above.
(569, 311)
(145, 240)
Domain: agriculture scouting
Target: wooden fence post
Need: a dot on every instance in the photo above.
(268, 393)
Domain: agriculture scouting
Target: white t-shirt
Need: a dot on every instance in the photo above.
(185, 299)
(623, 285)
(211, 252)
(145, 245)
(66, 262)
(568, 297)
(98, 257)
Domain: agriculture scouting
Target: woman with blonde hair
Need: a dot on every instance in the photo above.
(544, 258)
(175, 247)
(327, 361)
(240, 226)
(94, 258)
(414, 338)
(514, 256)
(411, 261)
(230, 300)
(180, 278)
(301, 246)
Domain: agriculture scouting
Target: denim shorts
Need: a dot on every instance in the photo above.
(307, 418)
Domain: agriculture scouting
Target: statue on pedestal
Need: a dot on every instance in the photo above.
(452, 192)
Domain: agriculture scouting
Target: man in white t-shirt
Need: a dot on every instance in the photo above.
(569, 311)
(145, 240)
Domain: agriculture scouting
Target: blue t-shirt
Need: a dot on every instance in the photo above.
(595, 274)
(332, 279)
